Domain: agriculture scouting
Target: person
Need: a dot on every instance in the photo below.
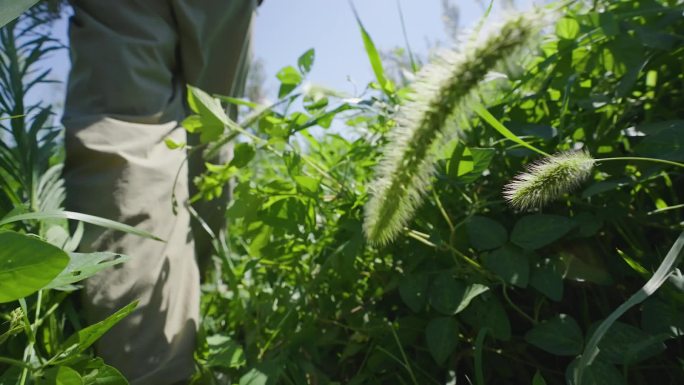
(131, 61)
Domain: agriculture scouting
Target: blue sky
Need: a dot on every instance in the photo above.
(284, 29)
(287, 28)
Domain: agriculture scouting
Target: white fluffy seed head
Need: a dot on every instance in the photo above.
(443, 88)
(548, 179)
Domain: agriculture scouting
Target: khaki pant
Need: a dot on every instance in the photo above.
(131, 60)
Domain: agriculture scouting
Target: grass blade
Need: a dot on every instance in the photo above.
(659, 277)
(497, 125)
(93, 220)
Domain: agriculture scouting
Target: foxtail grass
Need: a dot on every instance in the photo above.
(548, 179)
(444, 88)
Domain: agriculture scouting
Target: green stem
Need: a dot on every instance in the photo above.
(668, 162)
(13, 362)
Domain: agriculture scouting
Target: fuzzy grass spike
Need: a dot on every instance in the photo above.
(443, 89)
(548, 179)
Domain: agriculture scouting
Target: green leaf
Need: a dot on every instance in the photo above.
(511, 265)
(289, 78)
(307, 184)
(82, 266)
(487, 312)
(535, 231)
(27, 264)
(413, 291)
(84, 338)
(467, 164)
(212, 116)
(627, 345)
(662, 317)
(306, 61)
(243, 153)
(538, 379)
(664, 140)
(266, 373)
(224, 353)
(560, 336)
(548, 279)
(450, 296)
(11, 9)
(289, 75)
(660, 276)
(373, 56)
(93, 220)
(60, 375)
(441, 335)
(497, 125)
(446, 293)
(96, 372)
(485, 233)
(567, 28)
(599, 373)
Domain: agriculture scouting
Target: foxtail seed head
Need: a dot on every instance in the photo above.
(548, 179)
(442, 88)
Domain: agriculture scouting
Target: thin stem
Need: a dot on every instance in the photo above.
(414, 234)
(443, 211)
(668, 162)
(13, 362)
(414, 67)
(675, 207)
(515, 307)
(407, 365)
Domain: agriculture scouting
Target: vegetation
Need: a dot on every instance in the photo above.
(565, 274)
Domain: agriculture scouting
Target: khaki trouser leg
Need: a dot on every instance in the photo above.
(131, 59)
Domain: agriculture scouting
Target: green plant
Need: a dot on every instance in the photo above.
(470, 289)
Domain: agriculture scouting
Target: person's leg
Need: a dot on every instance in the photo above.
(124, 98)
(215, 42)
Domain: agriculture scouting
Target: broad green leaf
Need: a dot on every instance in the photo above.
(599, 373)
(467, 164)
(567, 28)
(60, 375)
(93, 220)
(82, 266)
(548, 279)
(306, 61)
(441, 335)
(104, 375)
(450, 296)
(224, 352)
(485, 233)
(510, 264)
(289, 78)
(588, 224)
(627, 345)
(446, 293)
(487, 312)
(11, 9)
(266, 373)
(413, 291)
(243, 153)
(27, 264)
(538, 379)
(661, 275)
(84, 338)
(307, 184)
(211, 118)
(665, 141)
(535, 231)
(662, 317)
(560, 336)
